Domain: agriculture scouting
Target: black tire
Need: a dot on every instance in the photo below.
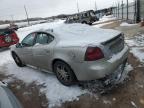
(67, 78)
(90, 24)
(84, 22)
(17, 60)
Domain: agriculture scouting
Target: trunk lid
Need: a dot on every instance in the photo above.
(82, 35)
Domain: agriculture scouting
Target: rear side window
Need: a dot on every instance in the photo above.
(44, 38)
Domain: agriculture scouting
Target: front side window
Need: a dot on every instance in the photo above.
(43, 38)
(29, 40)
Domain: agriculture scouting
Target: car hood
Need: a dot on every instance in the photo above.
(78, 34)
(7, 99)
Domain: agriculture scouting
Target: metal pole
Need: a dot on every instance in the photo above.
(122, 9)
(138, 11)
(26, 14)
(127, 9)
(118, 10)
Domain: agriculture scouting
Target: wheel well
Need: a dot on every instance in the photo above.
(54, 61)
(13, 52)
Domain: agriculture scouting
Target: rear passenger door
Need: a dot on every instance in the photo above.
(43, 50)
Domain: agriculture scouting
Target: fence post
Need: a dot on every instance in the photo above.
(122, 9)
(138, 11)
(127, 10)
(118, 10)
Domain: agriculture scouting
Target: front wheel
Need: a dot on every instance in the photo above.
(17, 60)
(64, 73)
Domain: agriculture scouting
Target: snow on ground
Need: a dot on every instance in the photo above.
(137, 46)
(103, 24)
(54, 90)
(138, 53)
(138, 40)
(126, 24)
(105, 19)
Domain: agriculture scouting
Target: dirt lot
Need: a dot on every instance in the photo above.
(130, 94)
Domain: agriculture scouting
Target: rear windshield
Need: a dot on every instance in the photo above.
(5, 32)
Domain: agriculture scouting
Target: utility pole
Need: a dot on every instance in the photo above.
(95, 6)
(26, 14)
(78, 7)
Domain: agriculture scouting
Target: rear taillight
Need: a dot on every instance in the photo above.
(93, 53)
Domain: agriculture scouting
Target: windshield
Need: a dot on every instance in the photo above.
(5, 32)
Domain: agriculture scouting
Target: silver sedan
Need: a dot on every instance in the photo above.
(74, 52)
(7, 98)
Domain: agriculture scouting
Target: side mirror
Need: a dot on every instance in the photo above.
(19, 45)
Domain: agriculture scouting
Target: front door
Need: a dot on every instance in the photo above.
(43, 50)
(26, 50)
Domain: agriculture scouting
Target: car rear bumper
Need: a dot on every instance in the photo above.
(93, 70)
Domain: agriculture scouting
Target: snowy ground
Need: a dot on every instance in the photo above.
(103, 24)
(137, 46)
(137, 41)
(105, 19)
(127, 25)
(55, 92)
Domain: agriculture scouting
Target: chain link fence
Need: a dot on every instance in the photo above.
(131, 12)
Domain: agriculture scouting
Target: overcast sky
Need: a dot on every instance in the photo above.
(46, 8)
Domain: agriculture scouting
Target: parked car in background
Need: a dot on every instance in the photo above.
(74, 52)
(8, 37)
(7, 98)
(13, 26)
(86, 17)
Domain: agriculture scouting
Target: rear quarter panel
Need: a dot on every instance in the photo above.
(70, 54)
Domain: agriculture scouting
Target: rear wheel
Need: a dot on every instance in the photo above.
(64, 73)
(90, 23)
(17, 60)
(84, 22)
